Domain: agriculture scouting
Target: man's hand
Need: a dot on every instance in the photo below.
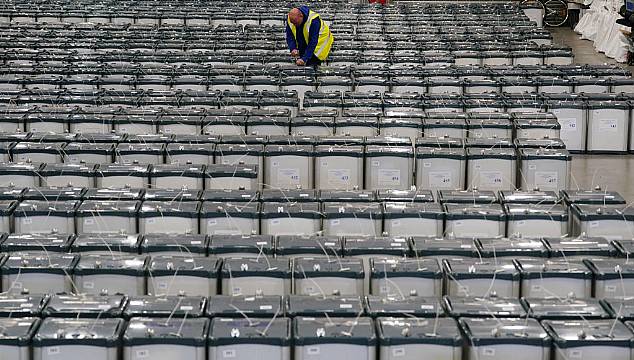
(295, 53)
(300, 62)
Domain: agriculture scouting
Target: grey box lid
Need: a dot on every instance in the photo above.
(235, 267)
(610, 269)
(295, 150)
(620, 308)
(223, 170)
(255, 244)
(488, 123)
(554, 212)
(336, 210)
(234, 209)
(290, 195)
(308, 244)
(318, 306)
(531, 268)
(38, 147)
(21, 305)
(542, 144)
(39, 262)
(578, 333)
(130, 265)
(312, 121)
(188, 209)
(52, 242)
(184, 265)
(91, 332)
(380, 306)
(291, 140)
(189, 148)
(564, 309)
(485, 148)
(376, 245)
(624, 247)
(113, 194)
(115, 169)
(404, 331)
(172, 195)
(513, 246)
(381, 268)
(230, 195)
(185, 170)
(602, 212)
(532, 123)
(432, 246)
(321, 266)
(467, 196)
(7, 207)
(111, 208)
(388, 140)
(489, 331)
(239, 149)
(144, 149)
(483, 307)
(414, 196)
(443, 123)
(192, 139)
(440, 153)
(390, 122)
(88, 148)
(596, 196)
(30, 208)
(334, 330)
(396, 210)
(253, 306)
(475, 268)
(68, 169)
(12, 193)
(230, 331)
(339, 150)
(461, 211)
(184, 243)
(85, 306)
(347, 195)
(579, 246)
(340, 140)
(529, 197)
(149, 331)
(20, 169)
(548, 154)
(165, 306)
(379, 150)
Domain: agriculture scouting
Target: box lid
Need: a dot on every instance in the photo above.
(318, 306)
(148, 331)
(29, 208)
(489, 331)
(234, 209)
(89, 332)
(483, 307)
(347, 195)
(255, 244)
(376, 245)
(188, 209)
(517, 212)
(53, 242)
(379, 306)
(474, 268)
(557, 267)
(432, 246)
(129, 265)
(256, 267)
(165, 306)
(557, 145)
(396, 210)
(172, 195)
(564, 309)
(308, 244)
(510, 247)
(577, 333)
(425, 196)
(334, 330)
(336, 210)
(21, 305)
(579, 246)
(490, 212)
(467, 196)
(128, 243)
(113, 194)
(135, 170)
(596, 196)
(290, 195)
(171, 265)
(183, 170)
(321, 266)
(305, 210)
(252, 306)
(405, 331)
(529, 197)
(587, 212)
(85, 306)
(412, 268)
(184, 243)
(230, 331)
(39, 262)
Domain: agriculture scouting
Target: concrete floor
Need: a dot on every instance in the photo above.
(610, 172)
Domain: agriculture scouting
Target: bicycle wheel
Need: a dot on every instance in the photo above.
(556, 12)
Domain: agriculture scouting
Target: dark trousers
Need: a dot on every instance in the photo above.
(313, 61)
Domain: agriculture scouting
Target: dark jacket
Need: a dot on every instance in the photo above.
(306, 51)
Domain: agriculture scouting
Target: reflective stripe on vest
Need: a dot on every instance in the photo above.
(324, 43)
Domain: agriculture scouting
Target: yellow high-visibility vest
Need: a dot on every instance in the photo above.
(325, 36)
